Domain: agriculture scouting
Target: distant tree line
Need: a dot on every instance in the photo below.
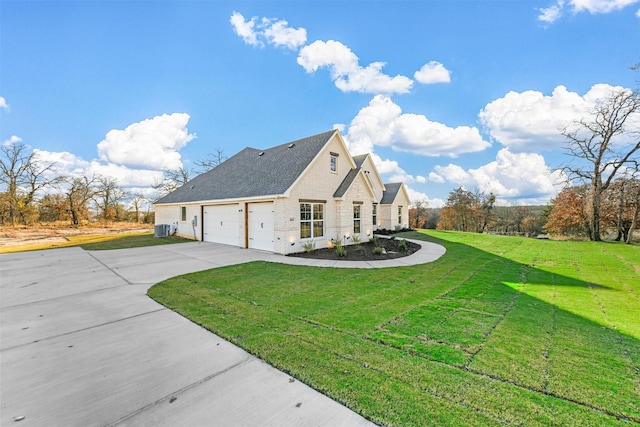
(31, 191)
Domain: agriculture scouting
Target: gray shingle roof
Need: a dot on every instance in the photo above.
(249, 174)
(390, 193)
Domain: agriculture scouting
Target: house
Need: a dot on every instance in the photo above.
(282, 198)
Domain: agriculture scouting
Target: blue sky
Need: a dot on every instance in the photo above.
(443, 93)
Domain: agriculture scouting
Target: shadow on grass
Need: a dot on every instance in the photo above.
(467, 337)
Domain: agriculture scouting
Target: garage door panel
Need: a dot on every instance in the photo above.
(222, 224)
(261, 226)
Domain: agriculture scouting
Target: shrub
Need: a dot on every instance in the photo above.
(374, 239)
(309, 246)
(402, 245)
(377, 250)
(356, 238)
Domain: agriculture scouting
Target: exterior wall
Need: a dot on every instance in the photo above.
(172, 215)
(358, 192)
(374, 178)
(389, 217)
(317, 183)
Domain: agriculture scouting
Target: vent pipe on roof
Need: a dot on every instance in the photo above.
(293, 144)
(261, 154)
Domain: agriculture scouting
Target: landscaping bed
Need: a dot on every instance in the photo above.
(391, 248)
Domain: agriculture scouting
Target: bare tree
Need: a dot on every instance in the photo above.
(107, 195)
(212, 160)
(24, 175)
(78, 193)
(601, 146)
(173, 179)
(137, 202)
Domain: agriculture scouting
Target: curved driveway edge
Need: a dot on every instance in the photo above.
(82, 344)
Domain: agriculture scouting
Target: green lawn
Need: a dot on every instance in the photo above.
(500, 330)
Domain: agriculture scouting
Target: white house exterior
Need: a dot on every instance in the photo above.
(279, 199)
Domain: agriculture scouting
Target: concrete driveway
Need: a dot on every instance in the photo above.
(81, 344)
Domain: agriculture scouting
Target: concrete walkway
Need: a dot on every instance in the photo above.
(82, 345)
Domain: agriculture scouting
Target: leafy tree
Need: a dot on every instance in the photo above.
(419, 214)
(600, 147)
(568, 215)
(467, 211)
(53, 207)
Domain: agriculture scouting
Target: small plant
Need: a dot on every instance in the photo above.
(402, 245)
(377, 250)
(356, 238)
(341, 251)
(374, 239)
(309, 246)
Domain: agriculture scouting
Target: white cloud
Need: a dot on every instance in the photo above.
(3, 104)
(12, 140)
(523, 177)
(149, 144)
(382, 123)
(416, 196)
(552, 13)
(346, 72)
(433, 72)
(280, 34)
(245, 29)
(272, 31)
(600, 6)
(531, 121)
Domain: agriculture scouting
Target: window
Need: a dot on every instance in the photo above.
(375, 214)
(311, 220)
(356, 219)
(400, 215)
(334, 163)
(183, 212)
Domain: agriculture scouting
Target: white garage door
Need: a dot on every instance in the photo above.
(222, 224)
(261, 235)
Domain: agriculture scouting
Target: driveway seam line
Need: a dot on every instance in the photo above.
(84, 329)
(180, 391)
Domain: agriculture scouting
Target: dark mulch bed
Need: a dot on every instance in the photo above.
(363, 251)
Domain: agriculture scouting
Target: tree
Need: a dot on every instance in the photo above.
(418, 215)
(53, 207)
(172, 180)
(601, 146)
(24, 175)
(137, 202)
(78, 194)
(467, 211)
(108, 196)
(568, 215)
(212, 160)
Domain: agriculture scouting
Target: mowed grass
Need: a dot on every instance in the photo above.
(499, 331)
(96, 242)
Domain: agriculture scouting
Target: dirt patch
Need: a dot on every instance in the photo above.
(23, 235)
(365, 251)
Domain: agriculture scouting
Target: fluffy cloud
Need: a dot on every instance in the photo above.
(433, 72)
(393, 172)
(531, 121)
(383, 123)
(272, 31)
(552, 13)
(12, 140)
(3, 104)
(523, 177)
(149, 144)
(416, 196)
(346, 72)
